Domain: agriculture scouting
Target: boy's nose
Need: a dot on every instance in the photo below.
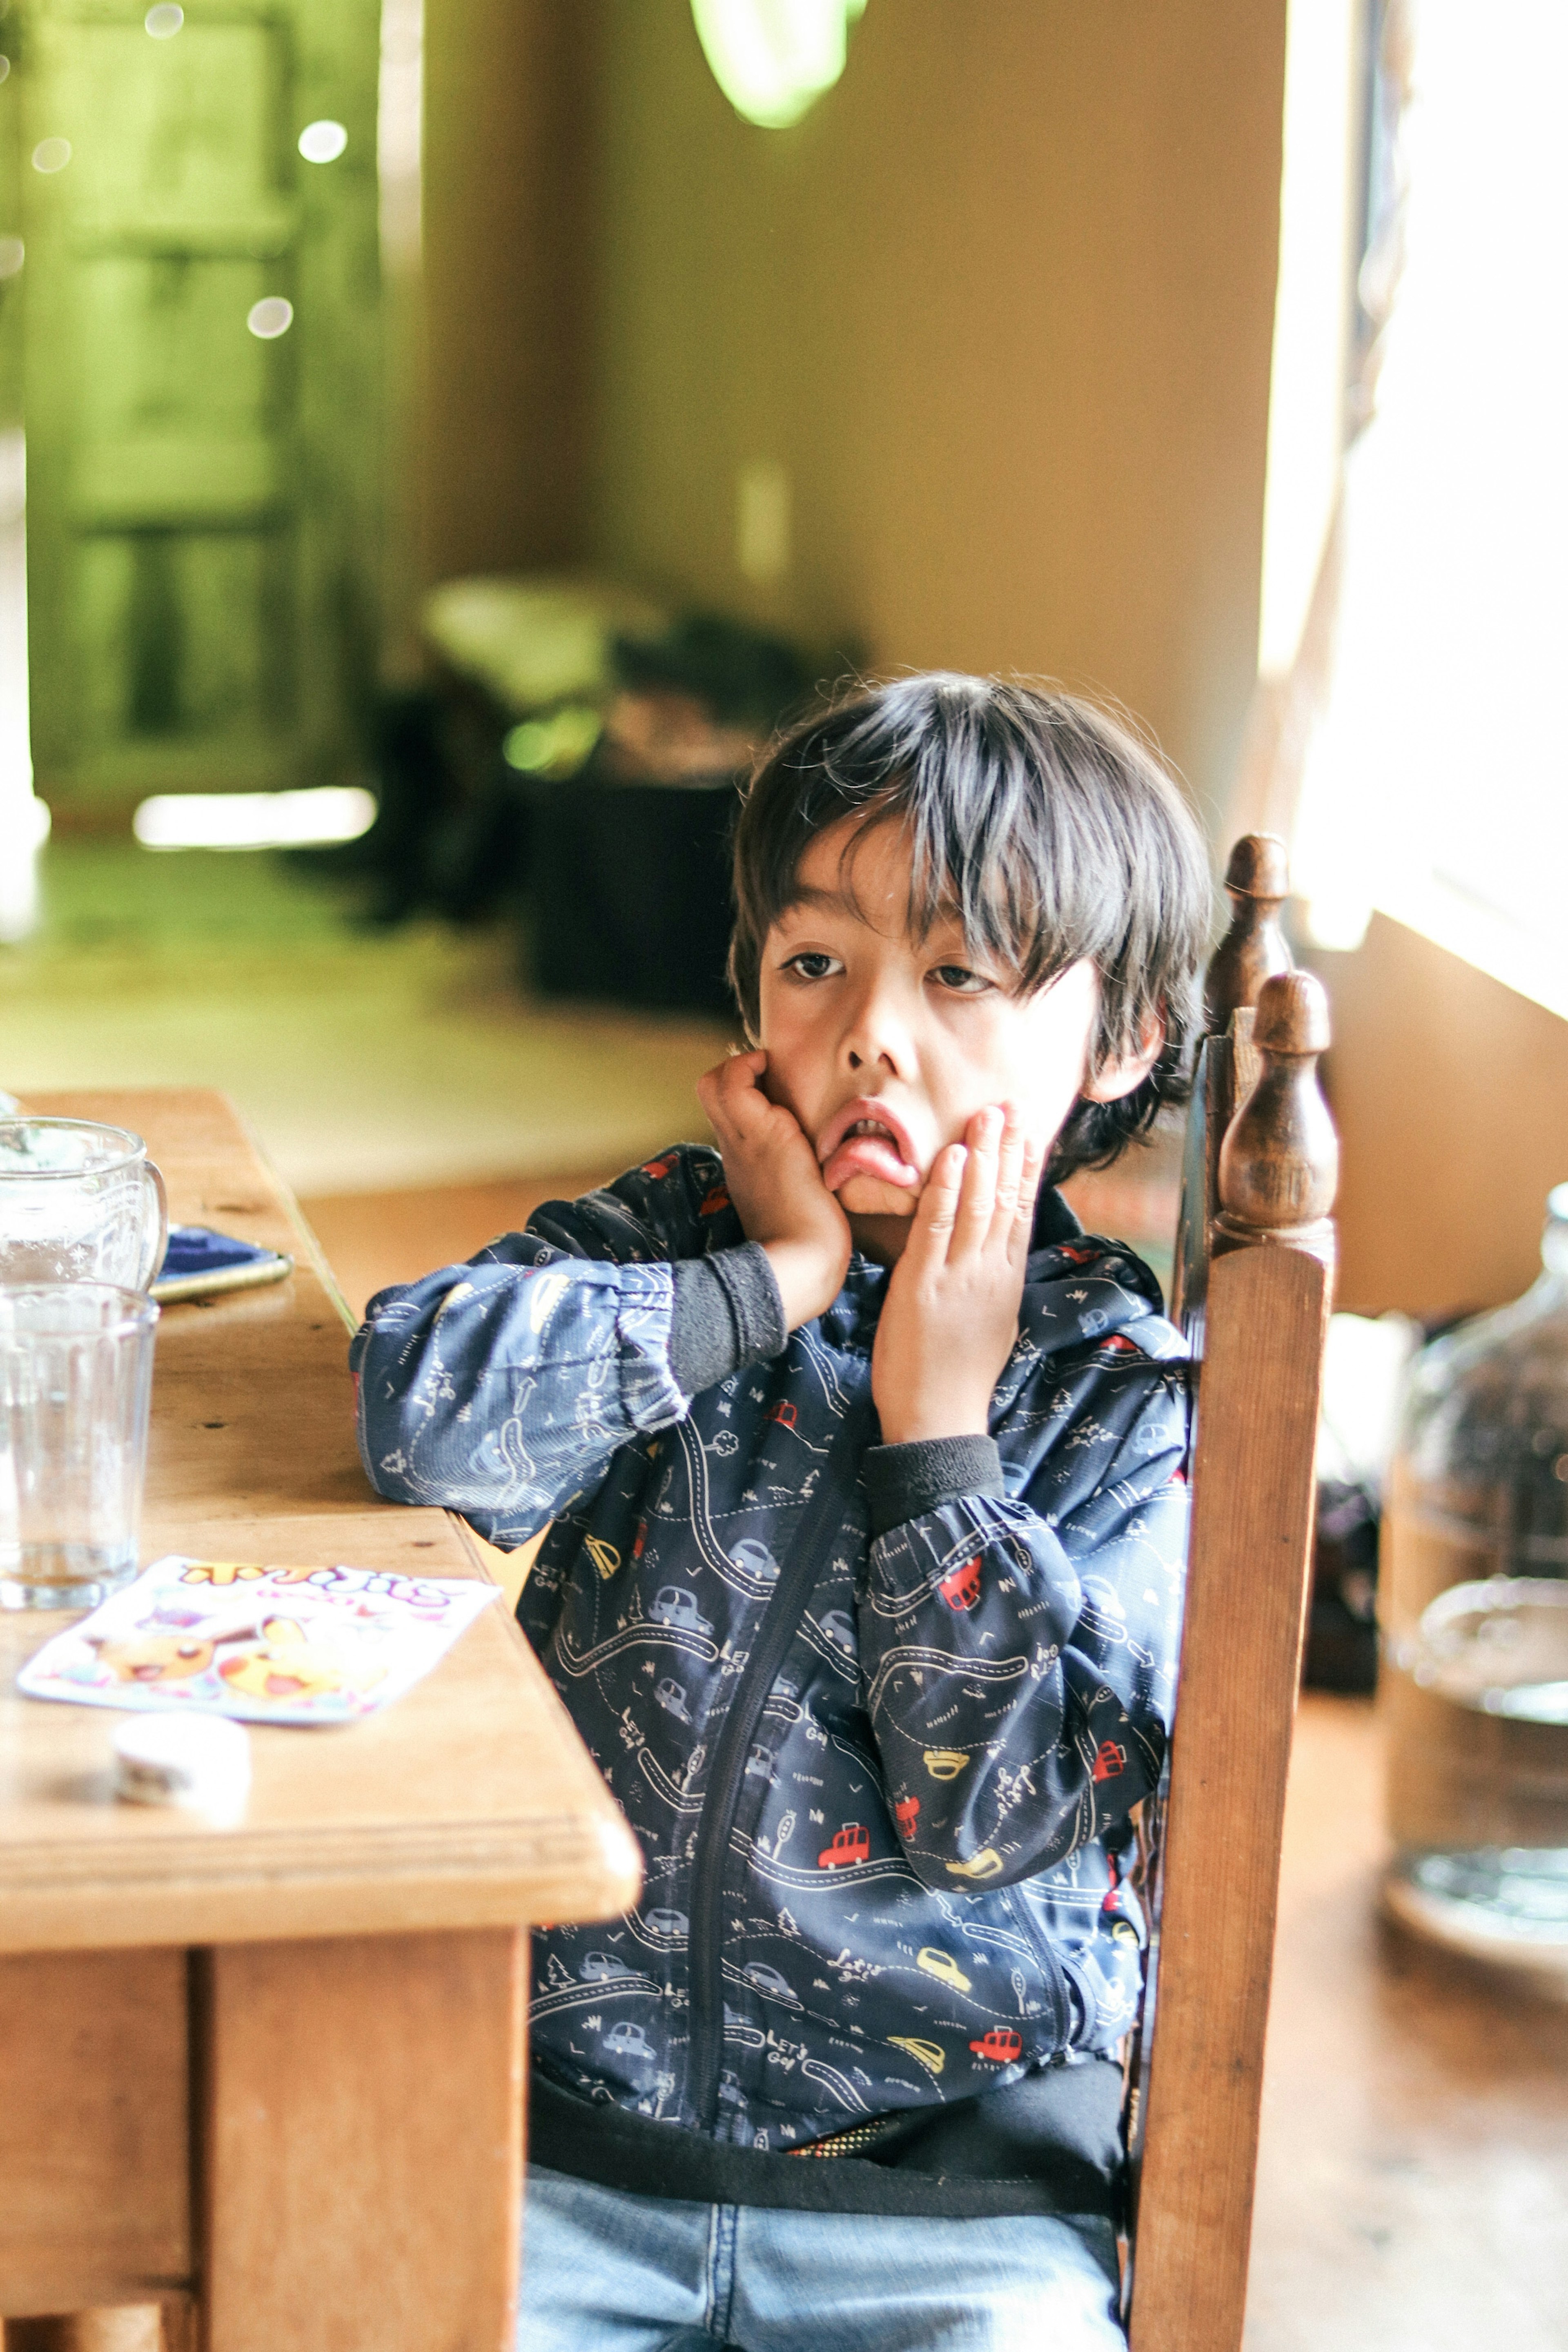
(877, 1036)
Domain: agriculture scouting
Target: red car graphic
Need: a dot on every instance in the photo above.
(659, 1167)
(961, 1590)
(908, 1812)
(1000, 2045)
(1110, 1761)
(715, 1200)
(850, 1844)
(784, 1413)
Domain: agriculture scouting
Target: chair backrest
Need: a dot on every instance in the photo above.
(1254, 1277)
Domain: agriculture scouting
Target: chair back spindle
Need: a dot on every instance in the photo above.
(1258, 879)
(1278, 1161)
(1252, 952)
(1256, 1268)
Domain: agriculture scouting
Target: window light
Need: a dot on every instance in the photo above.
(254, 820)
(773, 59)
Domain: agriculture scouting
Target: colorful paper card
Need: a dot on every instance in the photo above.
(268, 1644)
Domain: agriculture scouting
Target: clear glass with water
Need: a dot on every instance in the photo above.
(76, 1382)
(78, 1203)
(1473, 1596)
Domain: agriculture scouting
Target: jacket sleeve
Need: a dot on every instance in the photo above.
(1021, 1658)
(502, 1388)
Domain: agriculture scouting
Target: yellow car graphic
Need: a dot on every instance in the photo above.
(984, 1865)
(943, 1966)
(930, 2054)
(604, 1556)
(945, 1763)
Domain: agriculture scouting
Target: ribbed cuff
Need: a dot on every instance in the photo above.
(902, 1481)
(728, 1312)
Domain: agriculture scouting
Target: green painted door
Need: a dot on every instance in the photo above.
(202, 497)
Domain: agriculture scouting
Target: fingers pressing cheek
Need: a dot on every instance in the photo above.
(736, 1071)
(948, 1167)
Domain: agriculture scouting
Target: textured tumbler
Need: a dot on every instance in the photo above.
(75, 1380)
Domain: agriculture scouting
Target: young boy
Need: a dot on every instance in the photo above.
(863, 1467)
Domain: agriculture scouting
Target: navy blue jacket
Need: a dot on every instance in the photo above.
(881, 1775)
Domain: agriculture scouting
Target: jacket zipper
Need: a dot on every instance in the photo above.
(780, 1621)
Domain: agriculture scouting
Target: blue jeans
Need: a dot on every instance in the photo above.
(608, 2272)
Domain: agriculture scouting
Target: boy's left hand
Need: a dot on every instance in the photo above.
(951, 1311)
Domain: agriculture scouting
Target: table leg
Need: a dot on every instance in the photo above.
(362, 2143)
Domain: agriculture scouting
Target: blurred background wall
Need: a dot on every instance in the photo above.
(508, 188)
(989, 332)
(1451, 1092)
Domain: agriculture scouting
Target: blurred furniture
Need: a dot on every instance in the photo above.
(531, 640)
(1254, 1273)
(271, 2078)
(577, 758)
(629, 892)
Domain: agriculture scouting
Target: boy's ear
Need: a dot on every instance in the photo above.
(1124, 1072)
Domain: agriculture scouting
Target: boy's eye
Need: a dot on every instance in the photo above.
(811, 964)
(960, 980)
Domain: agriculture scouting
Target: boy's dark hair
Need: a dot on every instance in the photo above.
(1045, 826)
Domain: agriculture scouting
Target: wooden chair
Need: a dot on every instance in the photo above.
(1254, 1277)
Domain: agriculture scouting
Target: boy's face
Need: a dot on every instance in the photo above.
(884, 1046)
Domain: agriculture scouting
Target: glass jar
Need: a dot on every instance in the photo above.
(1473, 1598)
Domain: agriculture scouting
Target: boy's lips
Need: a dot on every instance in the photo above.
(865, 1138)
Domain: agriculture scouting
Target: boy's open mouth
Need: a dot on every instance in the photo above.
(864, 1138)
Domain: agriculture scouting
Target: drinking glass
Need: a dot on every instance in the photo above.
(75, 1380)
(78, 1203)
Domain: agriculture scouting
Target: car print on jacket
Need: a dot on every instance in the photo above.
(673, 1605)
(929, 1864)
(999, 2046)
(597, 1967)
(847, 1846)
(944, 1968)
(770, 1984)
(961, 1587)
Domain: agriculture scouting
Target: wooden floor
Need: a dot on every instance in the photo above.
(1413, 2191)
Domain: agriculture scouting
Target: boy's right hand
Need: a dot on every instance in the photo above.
(777, 1186)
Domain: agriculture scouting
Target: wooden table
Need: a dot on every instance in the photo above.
(271, 2076)
(1413, 2168)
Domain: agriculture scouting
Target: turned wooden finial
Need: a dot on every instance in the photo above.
(1258, 880)
(1279, 1161)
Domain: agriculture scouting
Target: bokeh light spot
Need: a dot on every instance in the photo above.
(51, 154)
(254, 820)
(554, 746)
(163, 21)
(322, 142)
(13, 253)
(270, 318)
